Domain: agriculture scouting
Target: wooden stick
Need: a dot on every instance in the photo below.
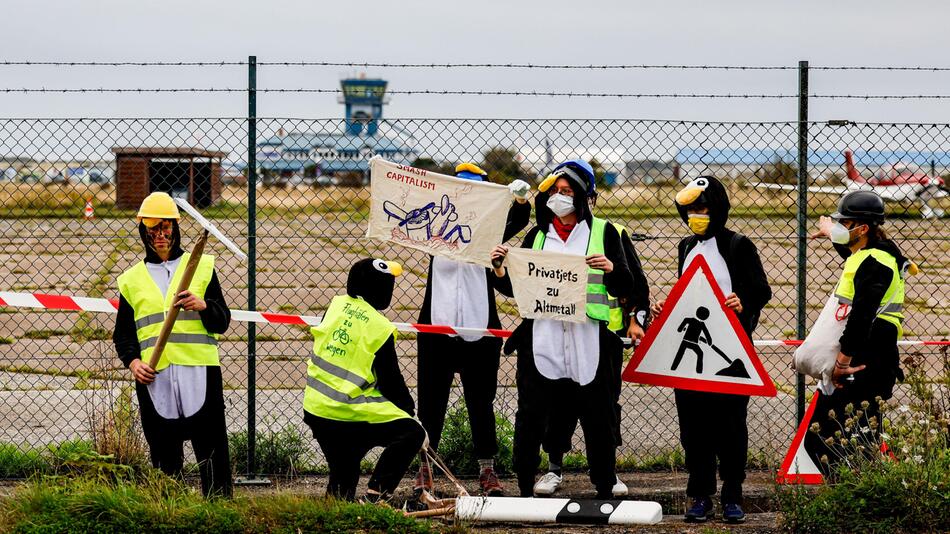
(448, 510)
(173, 312)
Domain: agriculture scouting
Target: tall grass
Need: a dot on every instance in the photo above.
(116, 427)
(457, 450)
(152, 502)
(279, 452)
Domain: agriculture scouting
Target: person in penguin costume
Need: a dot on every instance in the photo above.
(356, 398)
(713, 425)
(463, 294)
(569, 360)
(628, 319)
(182, 398)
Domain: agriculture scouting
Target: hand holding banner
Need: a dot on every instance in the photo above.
(442, 215)
(548, 285)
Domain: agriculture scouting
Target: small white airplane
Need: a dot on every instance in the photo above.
(896, 183)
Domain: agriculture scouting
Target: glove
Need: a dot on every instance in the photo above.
(519, 189)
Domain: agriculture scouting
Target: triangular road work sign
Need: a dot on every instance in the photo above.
(697, 343)
(798, 467)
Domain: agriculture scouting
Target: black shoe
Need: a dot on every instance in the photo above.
(700, 510)
(732, 513)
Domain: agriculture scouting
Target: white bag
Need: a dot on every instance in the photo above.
(816, 355)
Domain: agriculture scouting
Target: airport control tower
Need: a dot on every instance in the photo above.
(364, 99)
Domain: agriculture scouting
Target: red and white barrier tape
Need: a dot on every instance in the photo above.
(65, 302)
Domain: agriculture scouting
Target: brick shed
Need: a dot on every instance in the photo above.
(192, 173)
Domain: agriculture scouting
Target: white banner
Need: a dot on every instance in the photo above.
(442, 215)
(548, 285)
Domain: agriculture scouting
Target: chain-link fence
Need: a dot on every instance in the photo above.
(60, 377)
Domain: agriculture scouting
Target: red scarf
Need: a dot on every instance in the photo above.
(563, 230)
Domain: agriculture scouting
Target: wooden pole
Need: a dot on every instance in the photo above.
(173, 312)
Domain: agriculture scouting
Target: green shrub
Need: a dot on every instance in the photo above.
(275, 453)
(74, 457)
(456, 445)
(905, 491)
(897, 496)
(21, 462)
(71, 451)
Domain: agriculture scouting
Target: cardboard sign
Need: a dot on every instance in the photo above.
(548, 285)
(438, 214)
(697, 343)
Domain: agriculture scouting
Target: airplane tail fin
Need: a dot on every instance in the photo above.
(853, 173)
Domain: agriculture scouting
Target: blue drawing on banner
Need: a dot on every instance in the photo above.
(430, 222)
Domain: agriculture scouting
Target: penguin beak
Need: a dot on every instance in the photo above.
(394, 267)
(688, 196)
(547, 183)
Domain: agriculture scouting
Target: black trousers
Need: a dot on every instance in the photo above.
(876, 380)
(594, 406)
(345, 444)
(859, 398)
(558, 438)
(713, 428)
(206, 429)
(476, 362)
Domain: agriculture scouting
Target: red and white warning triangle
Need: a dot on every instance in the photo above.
(798, 467)
(697, 343)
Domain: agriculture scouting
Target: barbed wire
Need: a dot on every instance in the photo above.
(123, 63)
(543, 66)
(442, 92)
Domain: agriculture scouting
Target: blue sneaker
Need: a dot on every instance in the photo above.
(732, 513)
(700, 510)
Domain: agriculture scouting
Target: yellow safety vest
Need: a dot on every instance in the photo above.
(341, 384)
(600, 305)
(190, 343)
(616, 312)
(892, 303)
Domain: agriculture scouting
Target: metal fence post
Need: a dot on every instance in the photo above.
(802, 313)
(251, 475)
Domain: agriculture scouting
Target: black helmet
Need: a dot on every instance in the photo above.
(861, 206)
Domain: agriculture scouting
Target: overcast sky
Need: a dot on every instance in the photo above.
(850, 32)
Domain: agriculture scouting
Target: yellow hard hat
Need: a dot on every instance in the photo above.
(156, 207)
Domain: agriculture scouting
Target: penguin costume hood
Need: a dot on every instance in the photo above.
(709, 192)
(580, 175)
(373, 280)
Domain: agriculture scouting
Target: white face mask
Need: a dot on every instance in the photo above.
(561, 205)
(840, 234)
